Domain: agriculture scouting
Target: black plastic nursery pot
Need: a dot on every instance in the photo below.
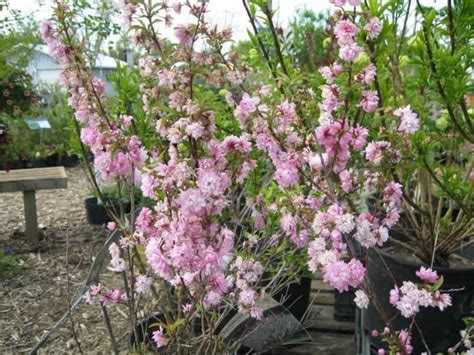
(69, 161)
(278, 330)
(52, 160)
(295, 297)
(38, 163)
(440, 329)
(344, 306)
(97, 214)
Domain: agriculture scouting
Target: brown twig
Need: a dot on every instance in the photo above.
(68, 294)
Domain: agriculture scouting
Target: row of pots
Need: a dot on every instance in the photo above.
(65, 160)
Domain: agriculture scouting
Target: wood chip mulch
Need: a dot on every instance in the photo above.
(33, 299)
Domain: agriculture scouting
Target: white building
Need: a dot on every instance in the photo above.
(45, 70)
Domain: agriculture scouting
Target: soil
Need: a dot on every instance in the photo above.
(36, 295)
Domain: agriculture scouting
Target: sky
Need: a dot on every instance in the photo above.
(222, 12)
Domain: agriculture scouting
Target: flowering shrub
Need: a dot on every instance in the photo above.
(239, 173)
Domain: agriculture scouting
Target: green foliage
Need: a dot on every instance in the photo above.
(310, 41)
(18, 36)
(9, 266)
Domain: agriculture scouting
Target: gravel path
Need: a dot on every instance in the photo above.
(33, 299)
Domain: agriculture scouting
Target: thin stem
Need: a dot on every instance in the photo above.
(68, 291)
(109, 329)
(260, 44)
(276, 41)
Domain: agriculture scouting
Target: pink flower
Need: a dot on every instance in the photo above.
(338, 2)
(286, 174)
(349, 52)
(346, 180)
(213, 298)
(128, 11)
(345, 32)
(442, 300)
(111, 226)
(341, 275)
(367, 75)
(288, 111)
(143, 284)
(330, 73)
(247, 297)
(376, 151)
(392, 194)
(236, 144)
(373, 28)
(337, 275)
(369, 101)
(183, 34)
(394, 296)
(392, 217)
(256, 312)
(409, 121)
(159, 338)
(246, 107)
(176, 7)
(359, 137)
(330, 95)
(354, 2)
(46, 29)
(357, 272)
(427, 275)
(118, 264)
(113, 297)
(405, 338)
(288, 223)
(361, 299)
(93, 293)
(195, 130)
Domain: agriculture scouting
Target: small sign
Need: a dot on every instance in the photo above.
(38, 123)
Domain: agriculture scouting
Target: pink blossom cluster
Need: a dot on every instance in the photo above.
(409, 122)
(400, 340)
(99, 293)
(342, 275)
(128, 10)
(361, 299)
(410, 297)
(247, 273)
(343, 2)
(345, 32)
(117, 153)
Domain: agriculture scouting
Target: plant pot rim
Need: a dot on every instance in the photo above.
(416, 265)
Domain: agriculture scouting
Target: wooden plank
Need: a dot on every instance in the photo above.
(33, 179)
(323, 319)
(319, 285)
(323, 298)
(31, 221)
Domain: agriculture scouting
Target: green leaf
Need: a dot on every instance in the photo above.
(438, 283)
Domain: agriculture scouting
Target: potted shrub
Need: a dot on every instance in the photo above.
(368, 98)
(435, 185)
(187, 154)
(290, 167)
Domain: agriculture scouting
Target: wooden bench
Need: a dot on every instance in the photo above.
(28, 181)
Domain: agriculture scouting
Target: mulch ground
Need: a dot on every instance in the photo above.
(36, 295)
